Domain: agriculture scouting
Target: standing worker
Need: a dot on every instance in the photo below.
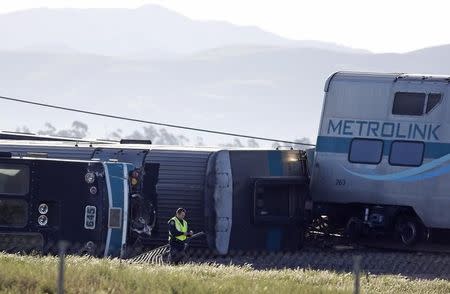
(178, 233)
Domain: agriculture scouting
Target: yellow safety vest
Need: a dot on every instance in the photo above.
(182, 227)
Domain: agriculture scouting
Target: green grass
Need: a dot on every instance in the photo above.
(30, 274)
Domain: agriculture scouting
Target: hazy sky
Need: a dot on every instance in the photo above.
(380, 26)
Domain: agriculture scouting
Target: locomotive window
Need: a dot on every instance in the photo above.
(14, 179)
(407, 103)
(406, 153)
(13, 213)
(367, 151)
(433, 100)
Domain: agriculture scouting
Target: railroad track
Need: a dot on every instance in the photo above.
(332, 253)
(373, 261)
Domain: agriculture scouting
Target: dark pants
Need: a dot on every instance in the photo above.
(177, 252)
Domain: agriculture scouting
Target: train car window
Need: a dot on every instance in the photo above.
(13, 213)
(406, 153)
(407, 103)
(368, 151)
(14, 179)
(433, 100)
(273, 201)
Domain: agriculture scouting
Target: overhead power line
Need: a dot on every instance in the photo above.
(151, 122)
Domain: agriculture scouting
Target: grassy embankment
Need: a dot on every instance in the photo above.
(25, 274)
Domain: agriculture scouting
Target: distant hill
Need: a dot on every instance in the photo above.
(150, 31)
(269, 91)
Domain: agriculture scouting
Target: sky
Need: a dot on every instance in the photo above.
(379, 26)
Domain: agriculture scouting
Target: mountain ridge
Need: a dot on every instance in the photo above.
(123, 32)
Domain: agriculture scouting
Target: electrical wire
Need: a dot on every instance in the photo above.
(151, 122)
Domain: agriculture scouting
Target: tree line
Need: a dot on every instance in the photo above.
(159, 136)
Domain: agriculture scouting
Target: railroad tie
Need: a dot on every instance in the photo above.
(154, 256)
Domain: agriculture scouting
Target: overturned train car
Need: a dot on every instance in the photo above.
(241, 199)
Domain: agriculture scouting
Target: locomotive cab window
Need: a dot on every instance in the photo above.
(407, 103)
(366, 151)
(14, 179)
(406, 153)
(13, 213)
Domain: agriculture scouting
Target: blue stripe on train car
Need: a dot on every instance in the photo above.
(118, 192)
(433, 150)
(273, 241)
(275, 163)
(274, 234)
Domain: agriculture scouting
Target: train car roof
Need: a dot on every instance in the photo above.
(355, 75)
(71, 144)
(96, 145)
(30, 139)
(56, 159)
(23, 136)
(42, 143)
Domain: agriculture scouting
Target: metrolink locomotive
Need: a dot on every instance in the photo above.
(43, 201)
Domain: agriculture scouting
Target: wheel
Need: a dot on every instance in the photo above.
(409, 230)
(320, 224)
